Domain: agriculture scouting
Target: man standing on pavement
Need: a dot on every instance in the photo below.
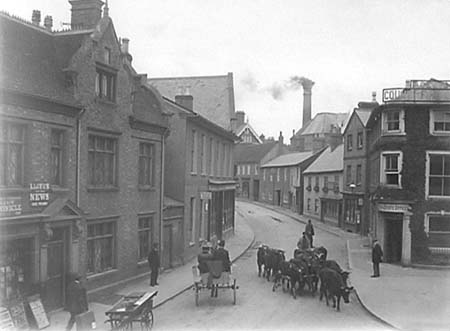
(154, 264)
(377, 257)
(76, 300)
(309, 229)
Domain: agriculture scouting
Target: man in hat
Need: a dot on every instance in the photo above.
(203, 257)
(76, 301)
(309, 229)
(377, 257)
(222, 254)
(154, 264)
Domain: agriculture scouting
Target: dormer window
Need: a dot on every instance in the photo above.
(393, 121)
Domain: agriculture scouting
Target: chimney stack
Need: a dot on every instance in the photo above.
(36, 17)
(48, 22)
(307, 85)
(85, 13)
(240, 117)
(280, 139)
(374, 96)
(185, 99)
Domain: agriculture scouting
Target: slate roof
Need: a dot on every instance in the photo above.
(328, 161)
(33, 59)
(287, 160)
(322, 122)
(213, 95)
(252, 153)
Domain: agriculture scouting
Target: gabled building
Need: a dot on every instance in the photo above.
(322, 183)
(199, 173)
(213, 96)
(354, 189)
(408, 162)
(248, 159)
(244, 131)
(323, 130)
(282, 179)
(82, 141)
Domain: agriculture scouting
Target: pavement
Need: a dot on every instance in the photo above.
(404, 298)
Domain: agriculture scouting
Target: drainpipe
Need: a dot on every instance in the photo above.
(78, 161)
(161, 210)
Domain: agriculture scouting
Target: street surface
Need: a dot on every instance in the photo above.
(257, 306)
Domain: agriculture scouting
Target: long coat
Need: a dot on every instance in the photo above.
(153, 259)
(222, 255)
(76, 301)
(377, 253)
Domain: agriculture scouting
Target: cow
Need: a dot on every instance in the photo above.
(272, 261)
(321, 253)
(290, 274)
(305, 276)
(332, 285)
(332, 264)
(260, 256)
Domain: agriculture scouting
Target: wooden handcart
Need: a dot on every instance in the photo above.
(131, 311)
(206, 281)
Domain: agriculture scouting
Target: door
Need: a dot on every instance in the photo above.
(255, 190)
(57, 259)
(245, 189)
(393, 235)
(278, 197)
(167, 246)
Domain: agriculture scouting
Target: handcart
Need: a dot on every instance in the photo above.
(132, 310)
(213, 281)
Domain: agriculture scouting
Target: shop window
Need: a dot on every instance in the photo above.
(145, 237)
(391, 168)
(146, 164)
(101, 247)
(12, 145)
(56, 156)
(102, 161)
(440, 121)
(438, 174)
(16, 268)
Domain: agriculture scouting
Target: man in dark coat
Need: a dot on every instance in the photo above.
(76, 301)
(222, 254)
(303, 244)
(309, 229)
(203, 257)
(377, 257)
(154, 263)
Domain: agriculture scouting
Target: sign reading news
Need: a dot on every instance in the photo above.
(39, 194)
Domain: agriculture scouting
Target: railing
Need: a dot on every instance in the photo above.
(419, 91)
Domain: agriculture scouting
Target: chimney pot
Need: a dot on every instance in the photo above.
(374, 96)
(48, 22)
(240, 116)
(36, 17)
(125, 45)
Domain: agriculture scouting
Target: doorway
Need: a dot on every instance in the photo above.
(167, 257)
(393, 235)
(278, 197)
(255, 190)
(57, 261)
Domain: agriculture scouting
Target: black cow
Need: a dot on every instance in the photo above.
(332, 285)
(305, 274)
(260, 258)
(321, 253)
(288, 276)
(272, 261)
(332, 264)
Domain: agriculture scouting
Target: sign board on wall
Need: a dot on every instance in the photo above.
(39, 194)
(205, 195)
(393, 208)
(390, 94)
(10, 206)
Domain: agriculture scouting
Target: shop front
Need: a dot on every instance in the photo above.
(352, 214)
(222, 207)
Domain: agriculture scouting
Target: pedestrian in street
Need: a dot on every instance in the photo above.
(377, 257)
(76, 302)
(154, 264)
(309, 229)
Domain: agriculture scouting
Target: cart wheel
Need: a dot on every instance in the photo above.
(196, 295)
(147, 321)
(234, 292)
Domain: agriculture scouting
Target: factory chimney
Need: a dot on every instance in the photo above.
(307, 85)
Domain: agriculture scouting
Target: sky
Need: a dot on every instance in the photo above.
(349, 48)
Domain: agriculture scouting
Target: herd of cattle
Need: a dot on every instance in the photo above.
(305, 269)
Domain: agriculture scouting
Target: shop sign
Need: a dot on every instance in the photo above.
(10, 206)
(205, 195)
(39, 194)
(393, 208)
(390, 94)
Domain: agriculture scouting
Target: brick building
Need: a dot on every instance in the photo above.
(199, 174)
(409, 162)
(82, 154)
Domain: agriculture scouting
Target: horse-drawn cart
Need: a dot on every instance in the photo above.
(213, 280)
(135, 308)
